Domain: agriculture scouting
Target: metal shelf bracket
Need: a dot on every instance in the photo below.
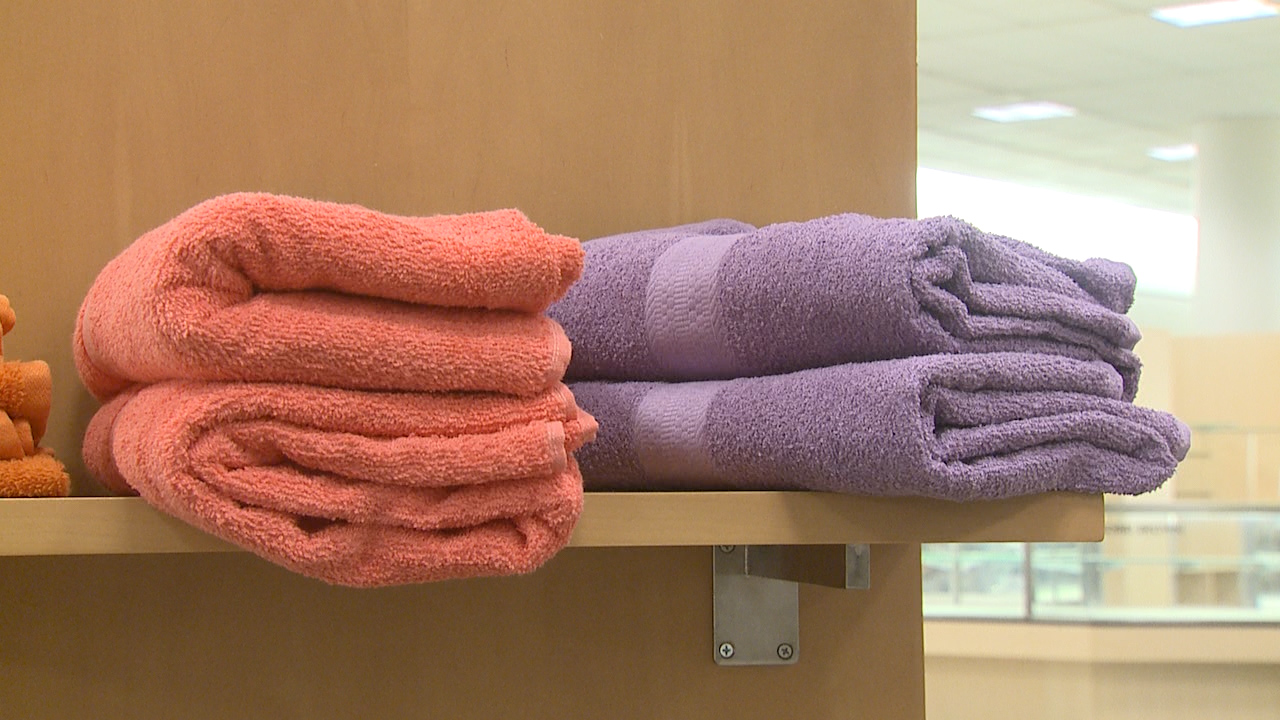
(757, 596)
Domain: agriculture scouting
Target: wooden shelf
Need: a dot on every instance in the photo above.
(90, 526)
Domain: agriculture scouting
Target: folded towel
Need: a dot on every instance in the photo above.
(16, 438)
(26, 392)
(40, 475)
(26, 438)
(960, 427)
(7, 317)
(356, 488)
(7, 321)
(11, 444)
(264, 288)
(720, 300)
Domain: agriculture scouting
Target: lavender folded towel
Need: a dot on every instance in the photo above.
(960, 427)
(722, 299)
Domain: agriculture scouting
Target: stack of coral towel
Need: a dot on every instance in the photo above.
(862, 355)
(26, 393)
(364, 398)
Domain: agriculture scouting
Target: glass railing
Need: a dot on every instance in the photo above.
(1175, 563)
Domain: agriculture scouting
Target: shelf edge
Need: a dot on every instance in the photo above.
(90, 526)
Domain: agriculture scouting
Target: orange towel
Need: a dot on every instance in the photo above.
(26, 392)
(7, 320)
(7, 317)
(11, 445)
(265, 288)
(40, 475)
(352, 487)
(26, 437)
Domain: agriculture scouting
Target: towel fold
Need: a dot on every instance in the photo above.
(26, 393)
(722, 299)
(264, 288)
(959, 427)
(12, 446)
(26, 438)
(40, 475)
(351, 487)
(7, 321)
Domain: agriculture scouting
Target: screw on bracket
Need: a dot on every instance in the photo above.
(785, 651)
(725, 650)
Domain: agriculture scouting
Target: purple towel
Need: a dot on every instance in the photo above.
(721, 299)
(960, 427)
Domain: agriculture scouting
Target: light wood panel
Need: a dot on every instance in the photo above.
(1227, 380)
(78, 526)
(604, 633)
(1084, 643)
(961, 689)
(1226, 387)
(1042, 671)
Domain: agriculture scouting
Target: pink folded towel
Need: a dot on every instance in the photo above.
(352, 487)
(264, 288)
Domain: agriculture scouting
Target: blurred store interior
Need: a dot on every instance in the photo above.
(1150, 134)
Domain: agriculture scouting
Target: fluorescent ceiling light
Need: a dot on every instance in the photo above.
(1173, 153)
(1019, 112)
(1208, 13)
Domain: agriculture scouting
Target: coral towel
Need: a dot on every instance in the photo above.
(723, 299)
(959, 427)
(264, 288)
(351, 487)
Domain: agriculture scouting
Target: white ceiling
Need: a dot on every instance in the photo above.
(1136, 82)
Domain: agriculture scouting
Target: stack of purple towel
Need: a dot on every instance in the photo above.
(861, 355)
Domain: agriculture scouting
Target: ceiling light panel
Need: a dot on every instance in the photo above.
(1212, 13)
(1173, 153)
(1024, 111)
